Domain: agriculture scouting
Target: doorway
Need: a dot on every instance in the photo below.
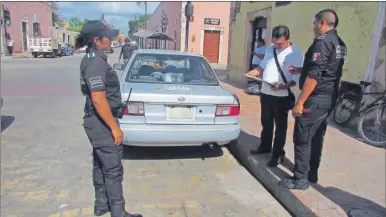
(24, 30)
(259, 31)
(211, 45)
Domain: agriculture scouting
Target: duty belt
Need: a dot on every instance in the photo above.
(114, 112)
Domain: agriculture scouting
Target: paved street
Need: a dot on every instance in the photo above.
(46, 157)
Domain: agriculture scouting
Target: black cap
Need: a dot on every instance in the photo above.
(97, 28)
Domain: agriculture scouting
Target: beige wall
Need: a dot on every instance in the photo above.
(58, 34)
(356, 25)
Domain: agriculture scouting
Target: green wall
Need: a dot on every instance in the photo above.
(356, 25)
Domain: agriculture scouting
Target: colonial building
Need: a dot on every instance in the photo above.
(27, 19)
(360, 26)
(208, 28)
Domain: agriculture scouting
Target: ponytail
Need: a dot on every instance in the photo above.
(80, 41)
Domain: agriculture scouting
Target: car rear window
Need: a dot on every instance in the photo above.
(170, 69)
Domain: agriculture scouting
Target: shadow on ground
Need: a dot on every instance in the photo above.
(6, 122)
(165, 153)
(256, 164)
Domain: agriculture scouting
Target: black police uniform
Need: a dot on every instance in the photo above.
(97, 75)
(323, 62)
(126, 51)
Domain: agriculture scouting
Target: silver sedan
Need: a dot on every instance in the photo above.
(175, 99)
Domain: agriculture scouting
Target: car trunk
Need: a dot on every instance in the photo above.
(177, 104)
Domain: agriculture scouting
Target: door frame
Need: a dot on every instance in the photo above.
(221, 44)
(26, 32)
(251, 17)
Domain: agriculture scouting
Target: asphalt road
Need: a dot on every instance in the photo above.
(46, 157)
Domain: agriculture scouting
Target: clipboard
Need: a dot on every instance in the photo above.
(259, 79)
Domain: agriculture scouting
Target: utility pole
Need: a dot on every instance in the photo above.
(188, 13)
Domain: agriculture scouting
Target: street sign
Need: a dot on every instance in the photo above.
(212, 21)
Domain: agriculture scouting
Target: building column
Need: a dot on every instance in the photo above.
(380, 19)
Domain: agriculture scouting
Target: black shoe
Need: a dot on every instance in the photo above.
(261, 150)
(101, 206)
(275, 161)
(291, 184)
(118, 210)
(313, 176)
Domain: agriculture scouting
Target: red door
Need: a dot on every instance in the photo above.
(211, 45)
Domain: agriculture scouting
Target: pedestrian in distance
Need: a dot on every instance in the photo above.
(10, 44)
(100, 85)
(126, 51)
(276, 97)
(319, 84)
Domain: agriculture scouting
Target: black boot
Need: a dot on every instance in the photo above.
(261, 150)
(101, 206)
(118, 210)
(275, 161)
(294, 184)
(313, 176)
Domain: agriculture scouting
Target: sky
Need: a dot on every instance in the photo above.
(116, 13)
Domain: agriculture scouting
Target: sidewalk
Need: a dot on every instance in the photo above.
(352, 173)
(16, 56)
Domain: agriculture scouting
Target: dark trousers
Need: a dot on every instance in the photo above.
(274, 110)
(108, 171)
(107, 158)
(309, 132)
(10, 50)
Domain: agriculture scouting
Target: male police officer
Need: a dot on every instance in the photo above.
(126, 51)
(319, 82)
(100, 85)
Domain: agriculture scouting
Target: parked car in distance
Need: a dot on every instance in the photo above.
(81, 50)
(175, 100)
(66, 49)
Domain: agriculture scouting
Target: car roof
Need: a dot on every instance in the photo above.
(166, 52)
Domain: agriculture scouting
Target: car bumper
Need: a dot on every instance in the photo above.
(178, 135)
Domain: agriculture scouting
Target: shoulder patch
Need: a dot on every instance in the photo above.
(321, 37)
(315, 57)
(91, 55)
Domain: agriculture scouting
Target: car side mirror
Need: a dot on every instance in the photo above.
(117, 66)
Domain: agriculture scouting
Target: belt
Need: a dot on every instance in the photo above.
(113, 112)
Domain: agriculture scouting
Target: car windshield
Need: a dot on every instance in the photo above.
(171, 69)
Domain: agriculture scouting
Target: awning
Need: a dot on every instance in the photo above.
(153, 35)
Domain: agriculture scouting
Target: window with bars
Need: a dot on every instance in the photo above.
(36, 29)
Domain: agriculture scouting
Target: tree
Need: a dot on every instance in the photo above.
(145, 3)
(75, 24)
(55, 12)
(136, 24)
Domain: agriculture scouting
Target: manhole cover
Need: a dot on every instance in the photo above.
(363, 212)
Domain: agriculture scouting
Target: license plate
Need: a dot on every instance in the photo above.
(180, 112)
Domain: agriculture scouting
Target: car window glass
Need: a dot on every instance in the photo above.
(167, 68)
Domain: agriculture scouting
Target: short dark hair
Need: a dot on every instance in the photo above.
(331, 22)
(281, 31)
(261, 40)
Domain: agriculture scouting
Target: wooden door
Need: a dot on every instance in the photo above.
(211, 45)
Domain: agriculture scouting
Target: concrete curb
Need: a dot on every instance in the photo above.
(270, 181)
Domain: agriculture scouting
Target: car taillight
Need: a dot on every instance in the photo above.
(135, 108)
(227, 110)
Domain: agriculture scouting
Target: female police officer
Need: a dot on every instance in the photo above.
(99, 83)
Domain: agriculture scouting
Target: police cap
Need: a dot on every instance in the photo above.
(95, 28)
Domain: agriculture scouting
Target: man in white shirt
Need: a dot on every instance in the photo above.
(275, 97)
(10, 43)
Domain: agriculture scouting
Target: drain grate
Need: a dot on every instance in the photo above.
(363, 212)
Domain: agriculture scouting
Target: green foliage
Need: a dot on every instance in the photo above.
(138, 23)
(75, 24)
